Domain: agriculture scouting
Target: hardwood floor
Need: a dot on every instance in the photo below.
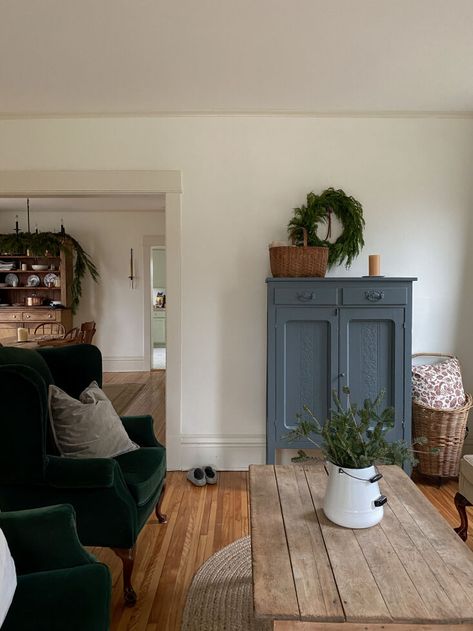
(150, 400)
(200, 522)
(442, 498)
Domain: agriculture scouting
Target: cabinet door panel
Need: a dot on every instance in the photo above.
(372, 358)
(306, 364)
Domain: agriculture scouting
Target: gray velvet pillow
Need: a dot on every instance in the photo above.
(89, 428)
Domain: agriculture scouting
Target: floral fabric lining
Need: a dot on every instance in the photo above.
(438, 385)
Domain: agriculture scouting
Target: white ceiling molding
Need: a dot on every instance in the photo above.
(241, 114)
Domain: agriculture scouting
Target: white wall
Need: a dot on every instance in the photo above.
(117, 309)
(241, 177)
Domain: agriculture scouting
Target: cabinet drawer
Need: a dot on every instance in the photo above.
(10, 316)
(374, 295)
(305, 295)
(39, 316)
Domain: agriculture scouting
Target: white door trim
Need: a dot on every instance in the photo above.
(148, 243)
(102, 183)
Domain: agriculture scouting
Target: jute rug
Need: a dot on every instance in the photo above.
(122, 394)
(220, 597)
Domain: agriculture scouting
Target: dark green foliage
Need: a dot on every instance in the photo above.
(354, 437)
(53, 242)
(83, 263)
(317, 211)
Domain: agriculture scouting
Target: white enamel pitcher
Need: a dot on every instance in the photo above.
(353, 498)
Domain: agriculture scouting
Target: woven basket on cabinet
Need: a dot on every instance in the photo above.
(291, 261)
(444, 429)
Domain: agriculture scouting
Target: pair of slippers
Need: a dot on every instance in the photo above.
(200, 476)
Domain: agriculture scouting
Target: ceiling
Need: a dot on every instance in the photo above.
(235, 56)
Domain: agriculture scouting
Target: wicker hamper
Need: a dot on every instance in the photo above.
(291, 261)
(444, 429)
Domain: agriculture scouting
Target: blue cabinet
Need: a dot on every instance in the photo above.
(324, 334)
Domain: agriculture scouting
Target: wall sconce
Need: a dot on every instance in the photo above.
(132, 274)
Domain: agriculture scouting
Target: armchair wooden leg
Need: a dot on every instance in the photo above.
(127, 555)
(162, 518)
(461, 503)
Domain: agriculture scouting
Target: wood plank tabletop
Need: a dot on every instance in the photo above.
(37, 341)
(296, 625)
(411, 568)
(13, 342)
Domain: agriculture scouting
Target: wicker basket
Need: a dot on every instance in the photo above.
(444, 429)
(305, 261)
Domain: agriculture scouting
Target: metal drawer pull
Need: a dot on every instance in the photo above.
(305, 296)
(27, 316)
(50, 315)
(373, 295)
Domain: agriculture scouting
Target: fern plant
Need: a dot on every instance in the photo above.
(354, 437)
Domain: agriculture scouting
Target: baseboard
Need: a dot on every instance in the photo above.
(124, 364)
(225, 452)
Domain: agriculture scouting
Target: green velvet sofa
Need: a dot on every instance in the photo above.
(59, 585)
(112, 497)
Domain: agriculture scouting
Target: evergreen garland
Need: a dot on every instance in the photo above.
(53, 242)
(317, 210)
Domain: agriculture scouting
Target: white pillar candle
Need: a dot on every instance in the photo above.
(22, 334)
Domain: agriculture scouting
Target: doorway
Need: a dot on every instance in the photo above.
(158, 307)
(105, 183)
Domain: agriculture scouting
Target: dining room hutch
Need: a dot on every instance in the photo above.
(30, 296)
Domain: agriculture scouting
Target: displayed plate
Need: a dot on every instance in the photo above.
(33, 280)
(50, 280)
(11, 278)
(4, 304)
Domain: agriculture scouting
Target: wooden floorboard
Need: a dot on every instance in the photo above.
(200, 522)
(150, 400)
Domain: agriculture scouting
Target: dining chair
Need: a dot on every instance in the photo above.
(50, 328)
(73, 335)
(88, 331)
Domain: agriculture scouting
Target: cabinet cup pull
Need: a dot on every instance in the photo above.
(305, 296)
(373, 295)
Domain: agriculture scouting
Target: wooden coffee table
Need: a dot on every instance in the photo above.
(411, 571)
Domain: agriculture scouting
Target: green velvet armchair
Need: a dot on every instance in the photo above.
(112, 497)
(59, 585)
